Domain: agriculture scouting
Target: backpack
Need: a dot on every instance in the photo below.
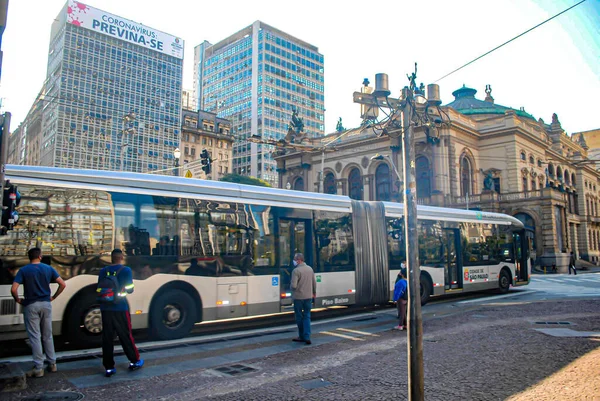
(108, 287)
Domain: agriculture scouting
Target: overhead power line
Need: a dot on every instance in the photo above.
(507, 42)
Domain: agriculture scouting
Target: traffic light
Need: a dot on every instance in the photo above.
(205, 160)
(10, 202)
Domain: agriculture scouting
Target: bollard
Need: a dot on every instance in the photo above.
(544, 269)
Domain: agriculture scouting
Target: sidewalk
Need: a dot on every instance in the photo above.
(491, 352)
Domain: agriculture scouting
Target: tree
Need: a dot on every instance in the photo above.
(242, 179)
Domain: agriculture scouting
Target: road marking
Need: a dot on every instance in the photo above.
(331, 333)
(364, 333)
(493, 298)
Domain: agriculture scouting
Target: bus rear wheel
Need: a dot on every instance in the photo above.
(172, 315)
(504, 282)
(425, 289)
(84, 321)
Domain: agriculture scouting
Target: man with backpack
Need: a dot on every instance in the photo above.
(401, 298)
(114, 283)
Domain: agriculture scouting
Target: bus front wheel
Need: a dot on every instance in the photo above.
(84, 321)
(172, 315)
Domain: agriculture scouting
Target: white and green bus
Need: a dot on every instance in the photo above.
(208, 250)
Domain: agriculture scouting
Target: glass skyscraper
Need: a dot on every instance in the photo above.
(256, 78)
(113, 93)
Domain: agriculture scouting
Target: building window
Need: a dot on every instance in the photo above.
(193, 152)
(355, 184)
(524, 184)
(382, 182)
(523, 156)
(299, 184)
(187, 151)
(329, 184)
(465, 177)
(531, 159)
(539, 163)
(533, 185)
(423, 177)
(497, 184)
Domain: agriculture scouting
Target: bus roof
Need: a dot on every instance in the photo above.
(161, 185)
(448, 214)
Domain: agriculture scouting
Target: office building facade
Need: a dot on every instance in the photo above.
(113, 93)
(257, 78)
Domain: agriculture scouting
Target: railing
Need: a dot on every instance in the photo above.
(511, 196)
(460, 200)
(423, 201)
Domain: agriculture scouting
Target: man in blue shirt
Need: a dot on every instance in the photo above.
(37, 309)
(401, 298)
(116, 317)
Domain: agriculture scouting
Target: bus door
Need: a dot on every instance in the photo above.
(521, 243)
(453, 279)
(294, 237)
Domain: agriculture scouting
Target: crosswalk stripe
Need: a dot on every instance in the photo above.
(341, 335)
(364, 333)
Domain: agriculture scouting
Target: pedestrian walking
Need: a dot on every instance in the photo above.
(304, 292)
(572, 264)
(37, 308)
(114, 283)
(401, 298)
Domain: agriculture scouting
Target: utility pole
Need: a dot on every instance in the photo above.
(415, 322)
(407, 108)
(4, 133)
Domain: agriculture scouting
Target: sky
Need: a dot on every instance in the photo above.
(553, 69)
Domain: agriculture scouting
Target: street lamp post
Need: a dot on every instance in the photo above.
(176, 155)
(410, 110)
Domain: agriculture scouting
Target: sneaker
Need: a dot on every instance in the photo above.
(52, 368)
(308, 342)
(137, 365)
(110, 372)
(401, 328)
(35, 373)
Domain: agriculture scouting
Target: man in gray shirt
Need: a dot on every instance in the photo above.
(304, 291)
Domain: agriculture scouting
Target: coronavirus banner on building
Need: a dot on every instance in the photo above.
(100, 21)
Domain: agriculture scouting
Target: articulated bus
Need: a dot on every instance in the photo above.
(207, 250)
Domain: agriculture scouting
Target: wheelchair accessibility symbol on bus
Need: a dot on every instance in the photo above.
(275, 281)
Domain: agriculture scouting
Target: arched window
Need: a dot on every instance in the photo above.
(567, 178)
(465, 177)
(559, 173)
(329, 185)
(423, 174)
(382, 182)
(533, 184)
(523, 156)
(355, 184)
(524, 179)
(551, 170)
(531, 159)
(573, 181)
(299, 184)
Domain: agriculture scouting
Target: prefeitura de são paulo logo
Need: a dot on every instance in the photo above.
(73, 13)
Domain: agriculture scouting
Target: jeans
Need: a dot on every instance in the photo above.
(302, 312)
(38, 322)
